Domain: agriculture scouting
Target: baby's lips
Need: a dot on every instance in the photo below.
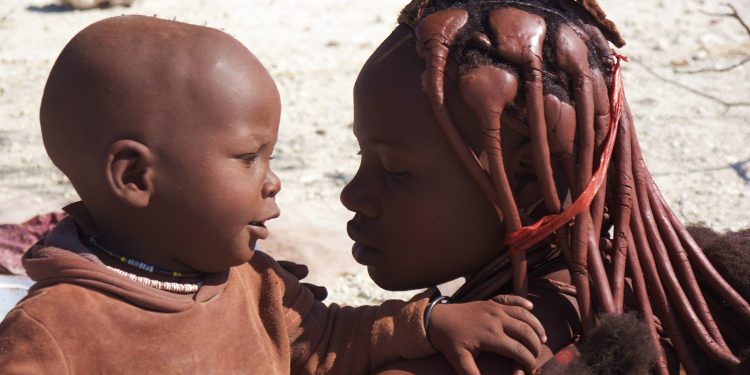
(272, 216)
(258, 230)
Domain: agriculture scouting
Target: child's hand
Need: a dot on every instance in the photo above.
(300, 271)
(504, 326)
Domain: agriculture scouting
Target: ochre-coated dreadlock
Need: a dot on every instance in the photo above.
(551, 62)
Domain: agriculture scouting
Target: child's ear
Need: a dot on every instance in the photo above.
(130, 169)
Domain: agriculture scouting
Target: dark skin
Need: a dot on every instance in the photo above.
(168, 139)
(414, 201)
(574, 115)
(187, 96)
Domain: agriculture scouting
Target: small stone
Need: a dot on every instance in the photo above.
(679, 63)
(700, 55)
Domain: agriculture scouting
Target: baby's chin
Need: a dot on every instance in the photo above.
(236, 258)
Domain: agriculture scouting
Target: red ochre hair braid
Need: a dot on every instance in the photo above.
(672, 279)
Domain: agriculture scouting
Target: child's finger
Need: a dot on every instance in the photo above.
(463, 362)
(513, 300)
(527, 317)
(523, 333)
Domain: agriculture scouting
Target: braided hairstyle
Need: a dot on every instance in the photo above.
(549, 64)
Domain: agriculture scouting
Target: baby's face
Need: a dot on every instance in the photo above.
(217, 185)
(419, 218)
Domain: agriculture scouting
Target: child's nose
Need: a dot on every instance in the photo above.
(272, 186)
(357, 198)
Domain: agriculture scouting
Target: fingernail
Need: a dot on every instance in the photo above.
(544, 339)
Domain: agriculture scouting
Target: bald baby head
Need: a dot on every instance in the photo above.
(140, 78)
(166, 131)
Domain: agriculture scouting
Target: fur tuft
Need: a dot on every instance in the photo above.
(729, 253)
(744, 367)
(619, 345)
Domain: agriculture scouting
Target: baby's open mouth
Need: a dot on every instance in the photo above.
(258, 229)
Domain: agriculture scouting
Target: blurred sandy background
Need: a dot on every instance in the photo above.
(693, 127)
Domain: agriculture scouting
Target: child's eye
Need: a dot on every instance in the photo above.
(359, 153)
(397, 176)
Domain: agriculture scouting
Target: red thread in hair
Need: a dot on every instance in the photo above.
(526, 237)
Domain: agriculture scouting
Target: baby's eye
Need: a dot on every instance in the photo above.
(248, 158)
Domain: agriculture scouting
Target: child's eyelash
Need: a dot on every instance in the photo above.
(397, 176)
(359, 153)
(394, 173)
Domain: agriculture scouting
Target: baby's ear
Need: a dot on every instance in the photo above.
(130, 169)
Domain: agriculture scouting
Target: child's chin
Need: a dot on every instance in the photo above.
(385, 280)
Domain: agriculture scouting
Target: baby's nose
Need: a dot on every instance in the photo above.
(272, 186)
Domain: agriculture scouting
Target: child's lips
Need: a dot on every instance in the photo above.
(365, 255)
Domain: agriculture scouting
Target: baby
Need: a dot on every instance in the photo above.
(166, 131)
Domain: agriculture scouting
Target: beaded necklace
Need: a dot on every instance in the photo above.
(92, 240)
(180, 288)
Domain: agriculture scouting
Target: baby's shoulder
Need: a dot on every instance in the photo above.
(264, 273)
(43, 316)
(266, 266)
(58, 302)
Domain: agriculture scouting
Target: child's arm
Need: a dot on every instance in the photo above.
(504, 326)
(337, 339)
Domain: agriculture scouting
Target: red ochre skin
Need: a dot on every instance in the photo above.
(419, 217)
(168, 137)
(413, 200)
(672, 279)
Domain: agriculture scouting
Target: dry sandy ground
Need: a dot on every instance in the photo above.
(696, 146)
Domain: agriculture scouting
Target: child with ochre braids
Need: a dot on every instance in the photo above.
(497, 144)
(166, 131)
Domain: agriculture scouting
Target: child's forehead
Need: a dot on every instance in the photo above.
(392, 106)
(394, 115)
